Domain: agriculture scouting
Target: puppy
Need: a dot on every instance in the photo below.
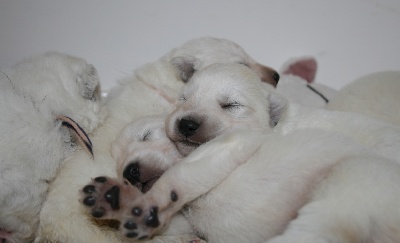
(374, 95)
(300, 184)
(143, 153)
(47, 103)
(152, 89)
(216, 101)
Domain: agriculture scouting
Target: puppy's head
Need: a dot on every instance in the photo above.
(218, 98)
(143, 152)
(201, 52)
(62, 89)
(59, 84)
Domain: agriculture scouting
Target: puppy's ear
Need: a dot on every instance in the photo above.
(185, 65)
(304, 67)
(89, 84)
(277, 106)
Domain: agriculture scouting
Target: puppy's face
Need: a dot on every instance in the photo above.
(143, 152)
(202, 52)
(218, 98)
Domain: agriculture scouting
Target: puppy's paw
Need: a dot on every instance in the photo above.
(148, 215)
(106, 198)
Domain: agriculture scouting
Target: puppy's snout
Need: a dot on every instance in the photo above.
(188, 127)
(132, 173)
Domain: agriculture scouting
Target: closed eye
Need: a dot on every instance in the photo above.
(231, 105)
(245, 64)
(146, 136)
(182, 97)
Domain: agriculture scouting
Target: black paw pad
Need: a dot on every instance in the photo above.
(136, 211)
(130, 225)
(112, 197)
(152, 220)
(100, 179)
(98, 212)
(174, 196)
(89, 189)
(89, 201)
(131, 235)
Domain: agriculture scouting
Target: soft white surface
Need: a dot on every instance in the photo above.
(348, 38)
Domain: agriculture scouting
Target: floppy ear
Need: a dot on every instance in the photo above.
(185, 66)
(89, 84)
(304, 67)
(277, 105)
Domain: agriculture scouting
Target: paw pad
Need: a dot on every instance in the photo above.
(152, 220)
(112, 197)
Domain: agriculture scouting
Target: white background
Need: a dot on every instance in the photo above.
(349, 38)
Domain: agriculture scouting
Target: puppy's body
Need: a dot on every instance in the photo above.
(317, 176)
(374, 95)
(34, 143)
(153, 89)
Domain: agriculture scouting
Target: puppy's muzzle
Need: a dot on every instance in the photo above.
(188, 127)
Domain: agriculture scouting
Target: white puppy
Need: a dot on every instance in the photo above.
(39, 97)
(312, 185)
(236, 103)
(143, 153)
(375, 95)
(152, 89)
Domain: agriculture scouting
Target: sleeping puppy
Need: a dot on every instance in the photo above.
(216, 101)
(143, 153)
(152, 89)
(256, 175)
(47, 103)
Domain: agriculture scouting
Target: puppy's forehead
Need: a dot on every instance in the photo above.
(137, 128)
(225, 76)
(212, 50)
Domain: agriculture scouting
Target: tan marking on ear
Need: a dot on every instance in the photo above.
(267, 74)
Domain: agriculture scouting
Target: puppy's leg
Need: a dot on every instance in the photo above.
(105, 197)
(358, 202)
(201, 171)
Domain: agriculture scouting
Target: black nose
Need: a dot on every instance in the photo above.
(188, 127)
(132, 173)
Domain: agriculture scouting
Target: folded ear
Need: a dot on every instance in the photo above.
(277, 106)
(304, 67)
(185, 66)
(89, 84)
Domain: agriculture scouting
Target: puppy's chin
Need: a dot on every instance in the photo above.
(185, 147)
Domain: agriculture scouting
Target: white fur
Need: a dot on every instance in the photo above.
(375, 95)
(318, 176)
(152, 89)
(297, 89)
(33, 143)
